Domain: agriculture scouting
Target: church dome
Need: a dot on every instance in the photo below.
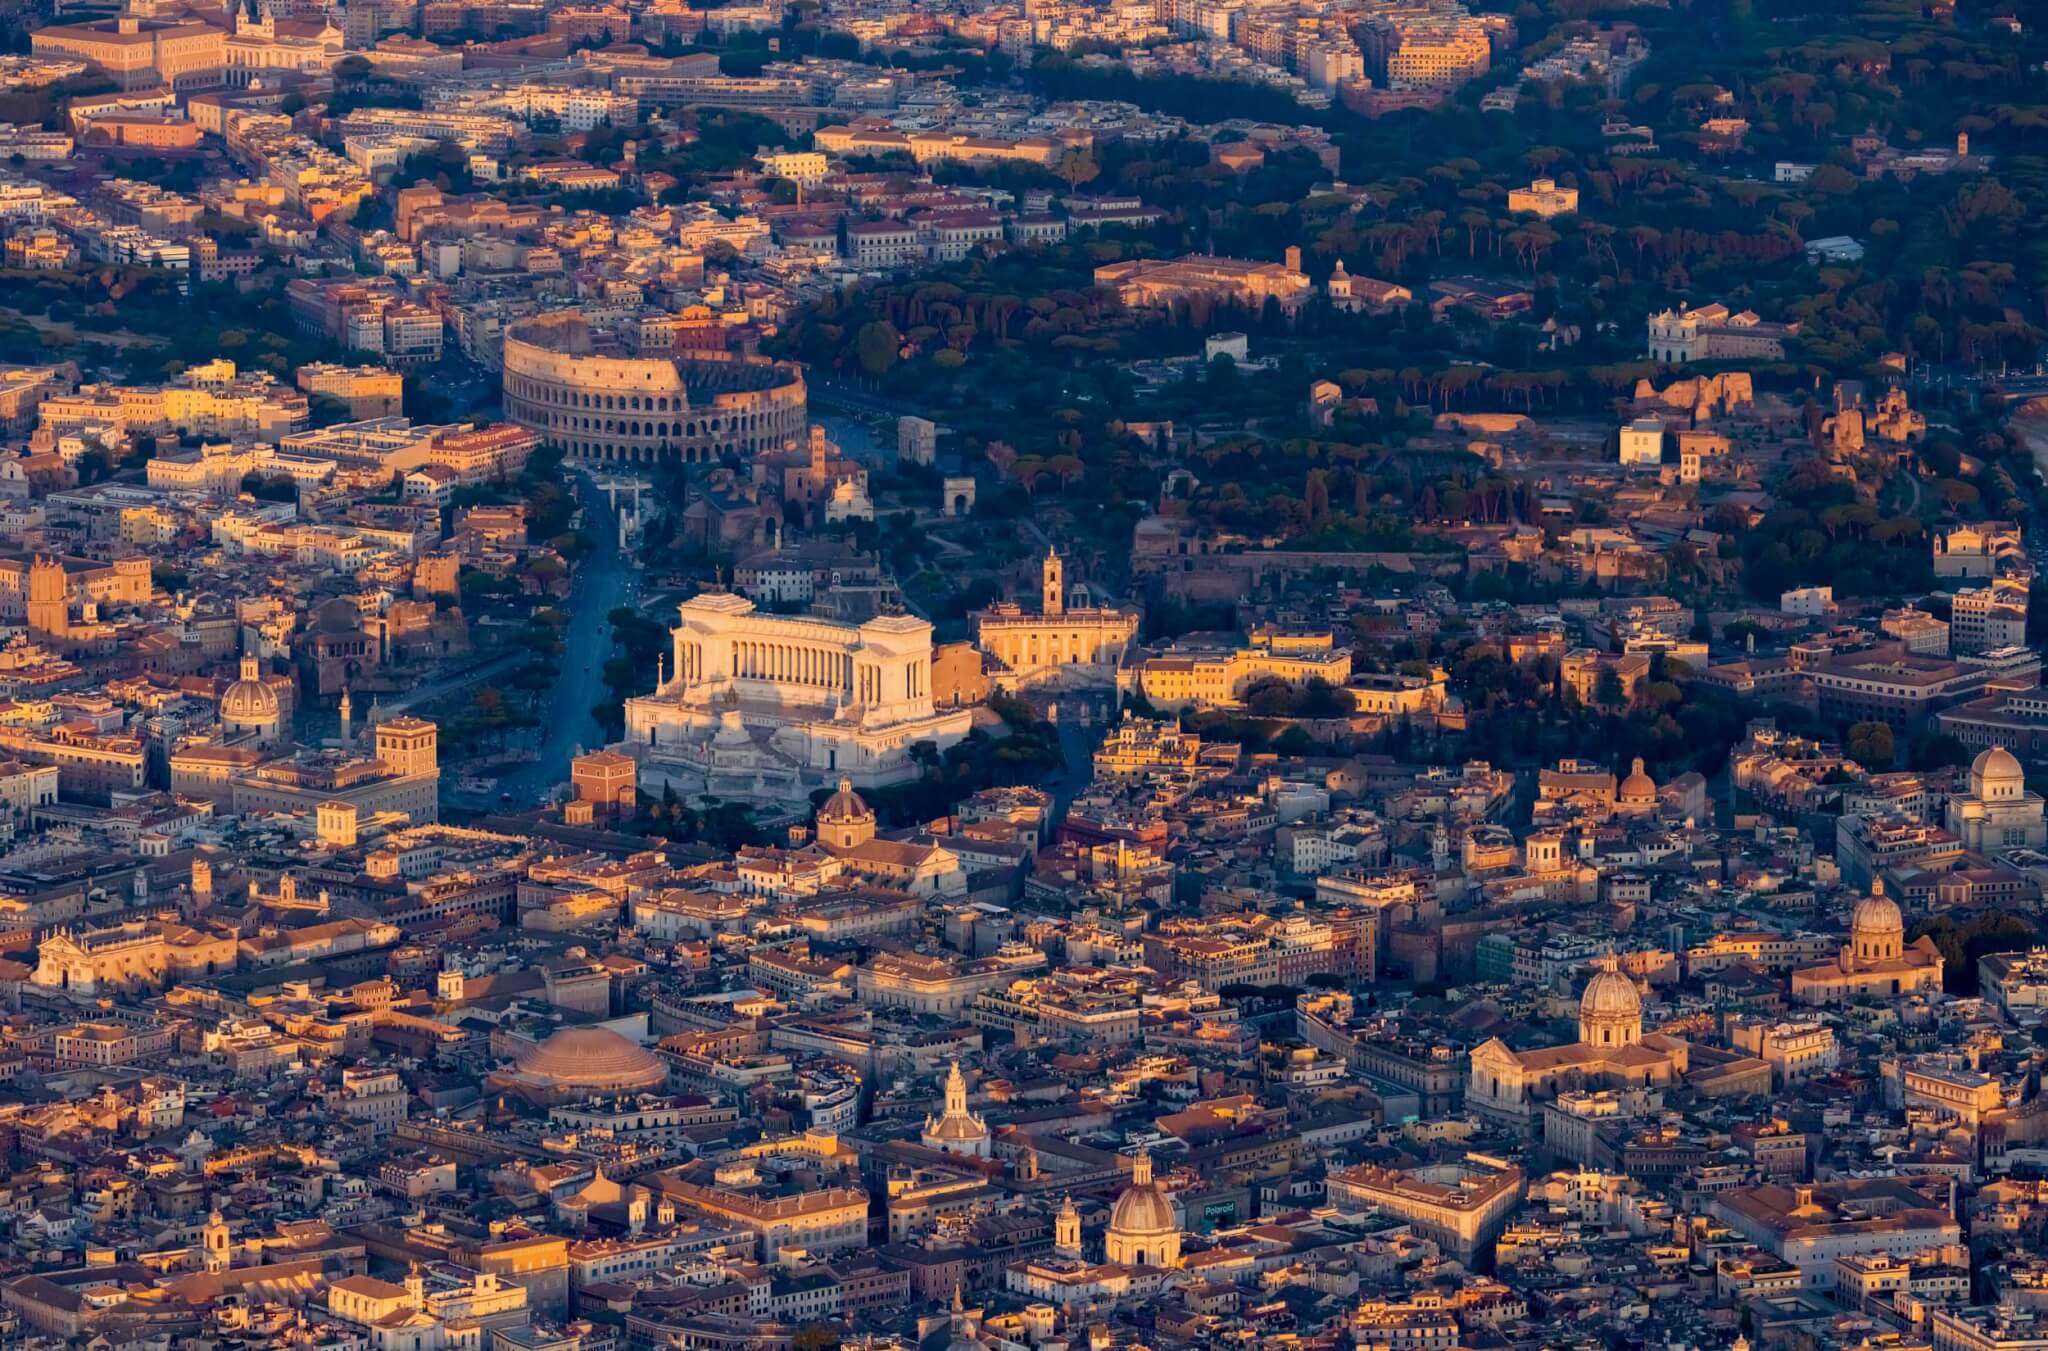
(1610, 995)
(1638, 786)
(958, 1128)
(1610, 1010)
(956, 1122)
(595, 1058)
(1876, 913)
(844, 806)
(1997, 774)
(1143, 1210)
(249, 701)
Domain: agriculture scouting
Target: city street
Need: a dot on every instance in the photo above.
(603, 582)
(854, 397)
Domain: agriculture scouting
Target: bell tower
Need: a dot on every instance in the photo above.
(49, 597)
(215, 1246)
(956, 1092)
(1066, 1230)
(1055, 584)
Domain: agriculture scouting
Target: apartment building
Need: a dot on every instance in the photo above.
(1890, 685)
(1869, 848)
(213, 399)
(830, 1219)
(2015, 980)
(1462, 1207)
(369, 391)
(805, 167)
(883, 243)
(1794, 1050)
(2016, 719)
(1813, 1226)
(90, 765)
(1919, 631)
(1986, 618)
(1427, 51)
(367, 316)
(2001, 1327)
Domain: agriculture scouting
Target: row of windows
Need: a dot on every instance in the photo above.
(688, 431)
(545, 393)
(541, 392)
(617, 426)
(591, 437)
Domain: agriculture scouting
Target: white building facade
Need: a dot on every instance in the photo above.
(767, 708)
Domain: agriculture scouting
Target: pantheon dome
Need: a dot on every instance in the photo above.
(577, 1063)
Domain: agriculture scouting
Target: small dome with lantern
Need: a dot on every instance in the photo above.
(1877, 931)
(1610, 1010)
(251, 706)
(845, 821)
(1638, 792)
(957, 1130)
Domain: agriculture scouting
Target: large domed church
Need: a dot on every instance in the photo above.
(1875, 961)
(1143, 1229)
(1510, 1086)
(250, 707)
(1141, 1248)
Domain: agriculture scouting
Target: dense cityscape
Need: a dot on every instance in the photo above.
(1080, 675)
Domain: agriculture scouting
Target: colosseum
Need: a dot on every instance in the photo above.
(599, 394)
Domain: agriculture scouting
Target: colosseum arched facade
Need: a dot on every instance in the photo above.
(586, 394)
